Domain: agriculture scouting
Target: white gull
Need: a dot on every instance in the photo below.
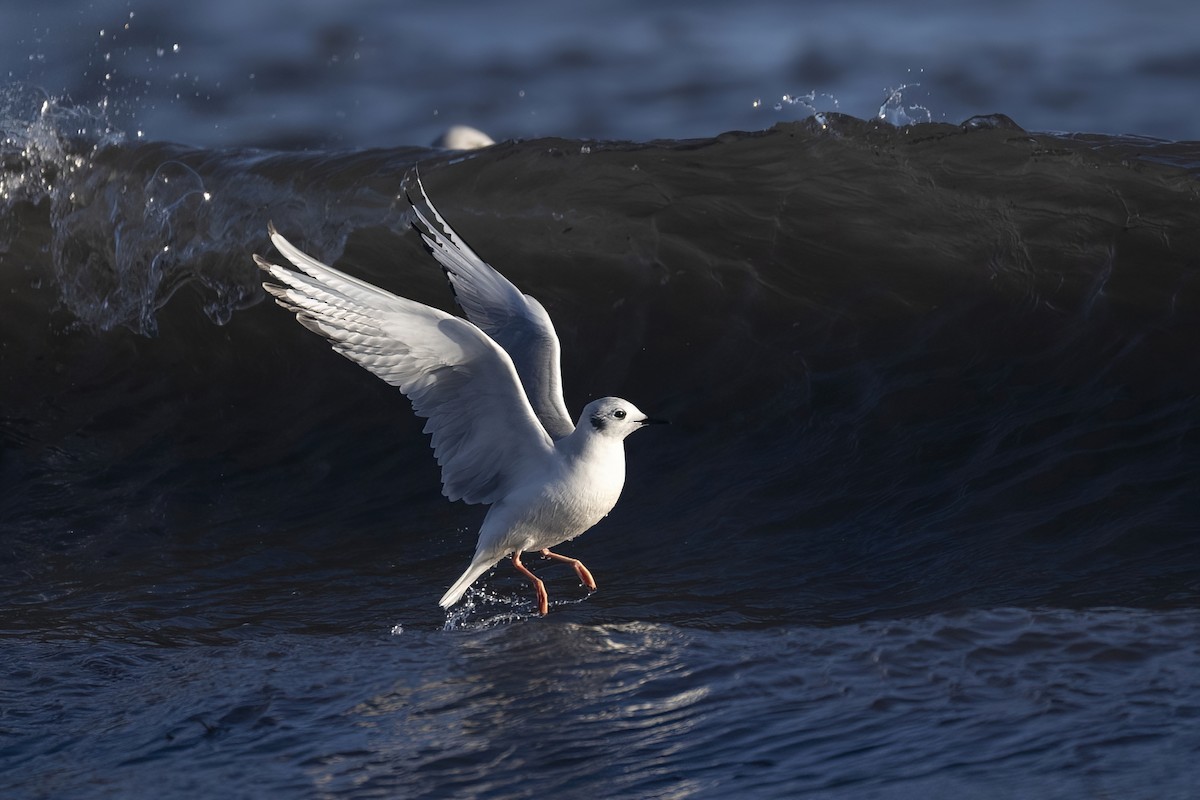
(491, 389)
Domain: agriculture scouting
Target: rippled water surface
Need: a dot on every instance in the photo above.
(1069, 704)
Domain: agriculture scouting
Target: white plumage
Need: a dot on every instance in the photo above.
(491, 389)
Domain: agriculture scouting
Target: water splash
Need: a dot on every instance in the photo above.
(482, 608)
(42, 139)
(131, 223)
(121, 243)
(895, 112)
(805, 104)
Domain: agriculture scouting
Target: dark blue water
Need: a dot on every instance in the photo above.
(980, 704)
(924, 524)
(385, 74)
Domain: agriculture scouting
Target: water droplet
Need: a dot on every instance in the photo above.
(175, 48)
(757, 102)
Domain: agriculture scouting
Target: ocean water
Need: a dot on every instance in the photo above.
(925, 522)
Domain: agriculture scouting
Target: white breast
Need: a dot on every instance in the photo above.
(576, 491)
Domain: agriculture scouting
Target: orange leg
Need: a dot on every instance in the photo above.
(580, 569)
(543, 600)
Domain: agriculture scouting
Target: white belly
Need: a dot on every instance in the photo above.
(550, 512)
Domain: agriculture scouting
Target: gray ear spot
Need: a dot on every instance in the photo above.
(598, 422)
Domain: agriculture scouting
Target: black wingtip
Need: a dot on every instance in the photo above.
(416, 226)
(426, 231)
(416, 223)
(413, 175)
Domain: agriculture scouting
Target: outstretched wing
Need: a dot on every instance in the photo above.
(485, 435)
(516, 321)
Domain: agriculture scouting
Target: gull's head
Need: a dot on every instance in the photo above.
(613, 417)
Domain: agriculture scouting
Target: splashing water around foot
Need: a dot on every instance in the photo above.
(482, 608)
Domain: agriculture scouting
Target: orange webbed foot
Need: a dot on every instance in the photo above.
(543, 599)
(585, 576)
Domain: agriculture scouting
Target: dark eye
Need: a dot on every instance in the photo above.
(619, 413)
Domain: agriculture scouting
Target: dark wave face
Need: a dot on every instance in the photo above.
(908, 369)
(934, 395)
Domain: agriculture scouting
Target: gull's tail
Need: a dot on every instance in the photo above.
(455, 593)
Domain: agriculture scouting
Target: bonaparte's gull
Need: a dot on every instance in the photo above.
(491, 389)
